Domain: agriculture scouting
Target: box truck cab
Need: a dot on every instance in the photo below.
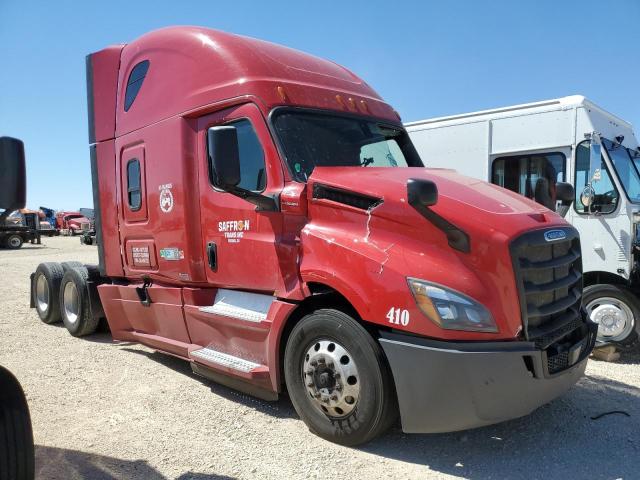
(531, 148)
(263, 214)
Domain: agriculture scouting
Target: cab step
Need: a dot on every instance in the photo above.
(223, 359)
(234, 372)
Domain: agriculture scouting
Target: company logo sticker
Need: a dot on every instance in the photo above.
(234, 229)
(553, 235)
(166, 197)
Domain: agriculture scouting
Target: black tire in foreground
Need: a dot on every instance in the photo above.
(338, 379)
(16, 436)
(46, 291)
(616, 310)
(75, 307)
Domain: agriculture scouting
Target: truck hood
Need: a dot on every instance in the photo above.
(463, 201)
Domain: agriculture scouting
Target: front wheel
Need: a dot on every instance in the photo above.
(616, 311)
(338, 379)
(14, 241)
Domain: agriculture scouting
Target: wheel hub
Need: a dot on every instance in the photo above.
(330, 375)
(42, 293)
(71, 302)
(614, 318)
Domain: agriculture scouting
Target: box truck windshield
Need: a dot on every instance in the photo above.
(313, 139)
(625, 168)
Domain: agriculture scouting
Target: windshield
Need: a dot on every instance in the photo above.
(625, 168)
(316, 139)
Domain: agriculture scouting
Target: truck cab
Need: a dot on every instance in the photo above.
(532, 148)
(263, 214)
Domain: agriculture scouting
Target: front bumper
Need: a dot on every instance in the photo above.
(446, 387)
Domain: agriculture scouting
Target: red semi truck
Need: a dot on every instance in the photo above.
(71, 223)
(263, 214)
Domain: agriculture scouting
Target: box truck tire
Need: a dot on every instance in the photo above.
(45, 291)
(616, 311)
(16, 435)
(338, 379)
(75, 307)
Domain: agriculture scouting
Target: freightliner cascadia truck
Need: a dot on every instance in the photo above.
(530, 149)
(263, 214)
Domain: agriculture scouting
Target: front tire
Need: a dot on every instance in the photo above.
(616, 311)
(14, 241)
(338, 379)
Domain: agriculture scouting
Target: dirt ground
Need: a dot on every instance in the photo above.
(102, 410)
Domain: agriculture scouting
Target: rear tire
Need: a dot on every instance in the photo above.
(324, 348)
(75, 307)
(46, 290)
(616, 311)
(14, 242)
(71, 264)
(16, 436)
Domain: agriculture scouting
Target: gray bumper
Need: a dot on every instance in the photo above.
(445, 386)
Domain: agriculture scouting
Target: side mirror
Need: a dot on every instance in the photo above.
(422, 192)
(565, 192)
(13, 189)
(224, 157)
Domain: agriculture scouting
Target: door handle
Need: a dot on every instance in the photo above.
(212, 256)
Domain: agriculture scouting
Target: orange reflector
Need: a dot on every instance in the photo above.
(340, 101)
(352, 103)
(364, 106)
(282, 94)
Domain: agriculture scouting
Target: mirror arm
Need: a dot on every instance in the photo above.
(263, 203)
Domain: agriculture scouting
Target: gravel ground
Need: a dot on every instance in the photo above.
(109, 411)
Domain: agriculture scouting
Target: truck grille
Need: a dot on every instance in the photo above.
(548, 269)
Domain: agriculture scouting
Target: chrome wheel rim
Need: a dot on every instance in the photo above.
(71, 302)
(614, 318)
(42, 293)
(330, 375)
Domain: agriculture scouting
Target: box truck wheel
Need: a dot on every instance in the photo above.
(16, 436)
(74, 303)
(615, 310)
(338, 378)
(45, 290)
(14, 241)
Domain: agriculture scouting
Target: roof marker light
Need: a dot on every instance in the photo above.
(340, 101)
(352, 103)
(364, 107)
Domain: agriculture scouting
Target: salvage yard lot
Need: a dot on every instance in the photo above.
(102, 410)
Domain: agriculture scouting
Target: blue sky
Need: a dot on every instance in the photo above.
(425, 58)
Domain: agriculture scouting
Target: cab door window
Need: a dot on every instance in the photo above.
(532, 175)
(606, 194)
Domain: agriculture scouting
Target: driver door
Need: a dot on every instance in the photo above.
(239, 243)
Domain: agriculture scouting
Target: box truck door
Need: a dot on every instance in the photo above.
(239, 243)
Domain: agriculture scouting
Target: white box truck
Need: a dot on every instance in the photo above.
(530, 149)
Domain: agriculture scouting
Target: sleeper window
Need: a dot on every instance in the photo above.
(134, 193)
(136, 77)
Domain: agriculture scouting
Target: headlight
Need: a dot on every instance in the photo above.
(449, 309)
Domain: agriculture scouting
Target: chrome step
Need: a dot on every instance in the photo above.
(224, 359)
(252, 307)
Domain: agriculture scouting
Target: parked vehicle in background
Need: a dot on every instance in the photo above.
(16, 437)
(270, 222)
(529, 149)
(49, 217)
(88, 231)
(71, 223)
(17, 228)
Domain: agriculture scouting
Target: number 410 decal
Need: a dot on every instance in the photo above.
(398, 316)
